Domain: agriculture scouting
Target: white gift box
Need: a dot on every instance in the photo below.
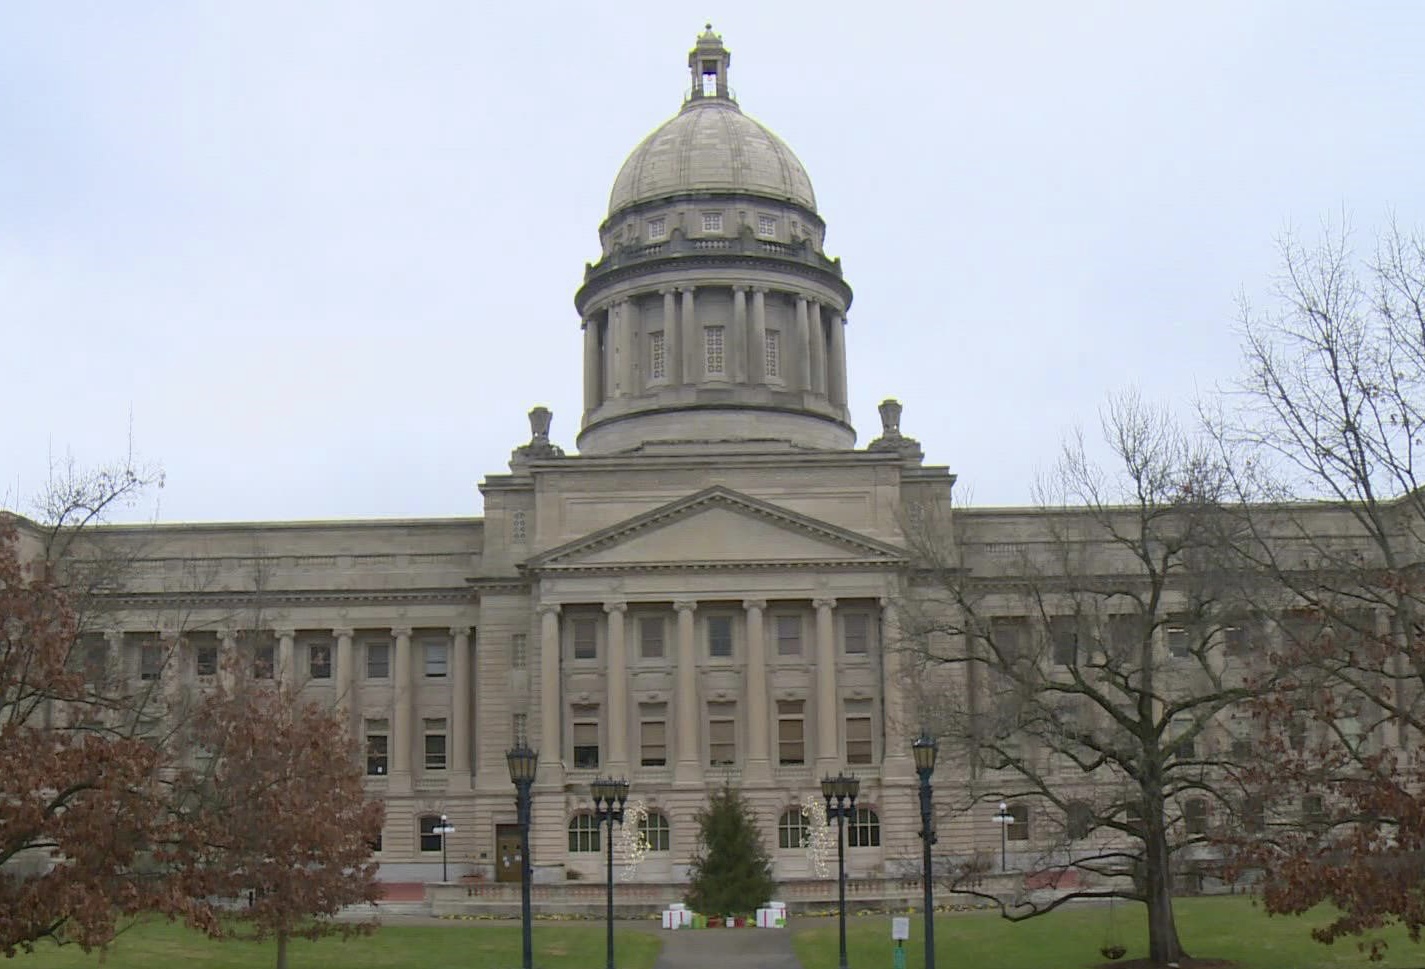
(677, 918)
(772, 918)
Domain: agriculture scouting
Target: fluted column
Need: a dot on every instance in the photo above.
(593, 393)
(345, 672)
(551, 756)
(828, 748)
(460, 699)
(742, 368)
(816, 335)
(757, 351)
(672, 343)
(692, 343)
(227, 657)
(688, 768)
(759, 750)
(402, 735)
(617, 673)
(802, 340)
(116, 672)
(286, 657)
(896, 753)
(610, 361)
(837, 366)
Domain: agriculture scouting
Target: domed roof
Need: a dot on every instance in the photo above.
(711, 146)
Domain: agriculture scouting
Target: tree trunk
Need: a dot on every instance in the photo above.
(1163, 944)
(281, 950)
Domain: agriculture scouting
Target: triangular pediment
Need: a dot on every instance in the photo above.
(718, 527)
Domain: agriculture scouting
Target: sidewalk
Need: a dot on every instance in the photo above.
(722, 948)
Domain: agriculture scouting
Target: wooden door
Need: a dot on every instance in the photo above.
(508, 866)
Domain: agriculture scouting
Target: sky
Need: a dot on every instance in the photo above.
(318, 260)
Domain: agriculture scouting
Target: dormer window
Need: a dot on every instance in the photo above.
(657, 228)
(766, 226)
(712, 221)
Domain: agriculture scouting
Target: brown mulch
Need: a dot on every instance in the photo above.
(1182, 964)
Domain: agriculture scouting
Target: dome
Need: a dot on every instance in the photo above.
(711, 146)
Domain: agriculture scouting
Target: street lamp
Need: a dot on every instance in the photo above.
(522, 763)
(443, 829)
(843, 791)
(1004, 819)
(609, 796)
(924, 748)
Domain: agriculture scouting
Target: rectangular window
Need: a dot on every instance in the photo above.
(378, 661)
(1236, 640)
(715, 361)
(586, 737)
(859, 746)
(206, 659)
(720, 636)
(791, 732)
(789, 635)
(519, 651)
(586, 638)
(772, 350)
(96, 661)
(856, 633)
(653, 734)
(657, 228)
(766, 225)
(1180, 728)
(1064, 640)
(1019, 827)
(1195, 816)
(319, 661)
(657, 357)
(150, 661)
(264, 661)
(650, 637)
(377, 747)
(722, 734)
(435, 744)
(437, 659)
(712, 221)
(1175, 635)
(519, 526)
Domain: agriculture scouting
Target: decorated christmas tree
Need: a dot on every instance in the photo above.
(731, 872)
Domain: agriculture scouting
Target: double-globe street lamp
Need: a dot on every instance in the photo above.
(1004, 819)
(924, 748)
(609, 795)
(523, 762)
(840, 793)
(443, 829)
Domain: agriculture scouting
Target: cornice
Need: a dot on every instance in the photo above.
(600, 280)
(295, 597)
(770, 565)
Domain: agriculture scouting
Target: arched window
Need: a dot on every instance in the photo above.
(430, 840)
(792, 829)
(864, 830)
(1078, 820)
(1195, 815)
(654, 829)
(583, 833)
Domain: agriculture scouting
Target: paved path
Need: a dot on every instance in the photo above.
(726, 948)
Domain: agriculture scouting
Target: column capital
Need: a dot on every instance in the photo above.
(399, 631)
(826, 603)
(284, 632)
(884, 601)
(750, 604)
(547, 608)
(460, 630)
(613, 607)
(222, 632)
(687, 290)
(340, 631)
(761, 290)
(667, 290)
(741, 289)
(685, 605)
(116, 636)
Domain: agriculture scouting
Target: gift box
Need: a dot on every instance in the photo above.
(772, 918)
(677, 918)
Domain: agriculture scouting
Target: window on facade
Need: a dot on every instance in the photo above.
(766, 225)
(653, 734)
(1133, 816)
(1241, 749)
(437, 659)
(1296, 734)
(1313, 810)
(650, 637)
(864, 831)
(1178, 732)
(96, 661)
(150, 661)
(654, 828)
(792, 831)
(429, 825)
(1254, 814)
(712, 221)
(657, 228)
(1064, 640)
(586, 737)
(205, 659)
(856, 633)
(319, 661)
(586, 638)
(378, 661)
(859, 747)
(375, 842)
(583, 833)
(519, 651)
(1195, 816)
(657, 356)
(519, 526)
(1078, 820)
(791, 732)
(722, 734)
(264, 661)
(1019, 827)
(714, 358)
(772, 350)
(789, 635)
(720, 636)
(1175, 635)
(435, 744)
(1236, 640)
(519, 728)
(377, 747)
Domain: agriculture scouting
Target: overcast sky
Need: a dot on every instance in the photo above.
(323, 255)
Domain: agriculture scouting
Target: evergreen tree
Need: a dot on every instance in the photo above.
(731, 872)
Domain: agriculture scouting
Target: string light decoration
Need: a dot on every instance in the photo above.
(816, 838)
(632, 844)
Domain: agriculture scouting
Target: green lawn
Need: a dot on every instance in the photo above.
(1219, 928)
(459, 945)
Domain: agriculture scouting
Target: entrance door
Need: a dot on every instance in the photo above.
(508, 864)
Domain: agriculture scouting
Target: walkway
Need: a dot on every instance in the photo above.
(723, 948)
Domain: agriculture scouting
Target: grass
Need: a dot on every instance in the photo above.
(1216, 928)
(466, 945)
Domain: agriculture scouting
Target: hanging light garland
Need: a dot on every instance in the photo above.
(632, 843)
(816, 838)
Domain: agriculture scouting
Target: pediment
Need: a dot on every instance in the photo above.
(718, 528)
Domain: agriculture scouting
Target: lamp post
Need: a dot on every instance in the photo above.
(842, 790)
(1004, 819)
(443, 829)
(609, 796)
(924, 748)
(522, 763)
